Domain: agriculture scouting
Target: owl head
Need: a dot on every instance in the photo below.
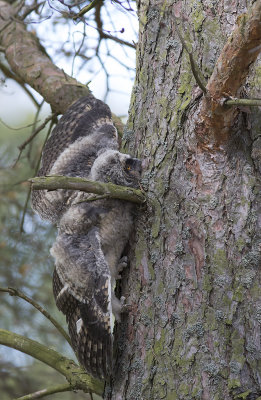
(113, 166)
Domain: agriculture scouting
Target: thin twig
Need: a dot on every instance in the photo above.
(16, 129)
(77, 52)
(243, 102)
(194, 67)
(17, 79)
(18, 293)
(29, 189)
(29, 10)
(34, 127)
(21, 229)
(46, 392)
(115, 30)
(19, 7)
(118, 40)
(41, 127)
(85, 9)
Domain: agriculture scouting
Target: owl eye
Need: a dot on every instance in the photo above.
(128, 168)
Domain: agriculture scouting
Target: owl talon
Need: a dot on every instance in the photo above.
(124, 307)
(122, 264)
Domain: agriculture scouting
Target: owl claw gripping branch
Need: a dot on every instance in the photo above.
(91, 235)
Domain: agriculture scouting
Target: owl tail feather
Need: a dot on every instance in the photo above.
(95, 356)
(94, 353)
(93, 347)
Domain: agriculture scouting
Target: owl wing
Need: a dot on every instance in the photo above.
(84, 117)
(84, 130)
(82, 291)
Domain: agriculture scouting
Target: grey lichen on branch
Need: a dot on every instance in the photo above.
(75, 375)
(106, 190)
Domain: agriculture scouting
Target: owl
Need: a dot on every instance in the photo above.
(92, 233)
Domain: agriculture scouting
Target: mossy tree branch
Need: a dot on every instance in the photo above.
(241, 50)
(108, 190)
(75, 375)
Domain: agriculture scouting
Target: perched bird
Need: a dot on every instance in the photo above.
(91, 234)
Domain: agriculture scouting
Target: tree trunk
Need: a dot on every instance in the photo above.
(193, 330)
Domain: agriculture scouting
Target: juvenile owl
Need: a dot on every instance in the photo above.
(91, 234)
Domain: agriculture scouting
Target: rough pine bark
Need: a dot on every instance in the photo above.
(193, 330)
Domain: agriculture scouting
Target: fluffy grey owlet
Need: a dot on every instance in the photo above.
(91, 234)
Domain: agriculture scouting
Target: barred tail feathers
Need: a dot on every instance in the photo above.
(95, 354)
(91, 340)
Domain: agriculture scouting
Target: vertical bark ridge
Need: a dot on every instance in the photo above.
(193, 331)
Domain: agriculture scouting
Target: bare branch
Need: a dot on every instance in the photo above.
(85, 9)
(16, 129)
(74, 374)
(18, 293)
(21, 230)
(29, 10)
(104, 35)
(117, 40)
(46, 392)
(16, 78)
(85, 185)
(26, 58)
(38, 130)
(232, 67)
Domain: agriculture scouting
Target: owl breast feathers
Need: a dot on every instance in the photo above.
(91, 234)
